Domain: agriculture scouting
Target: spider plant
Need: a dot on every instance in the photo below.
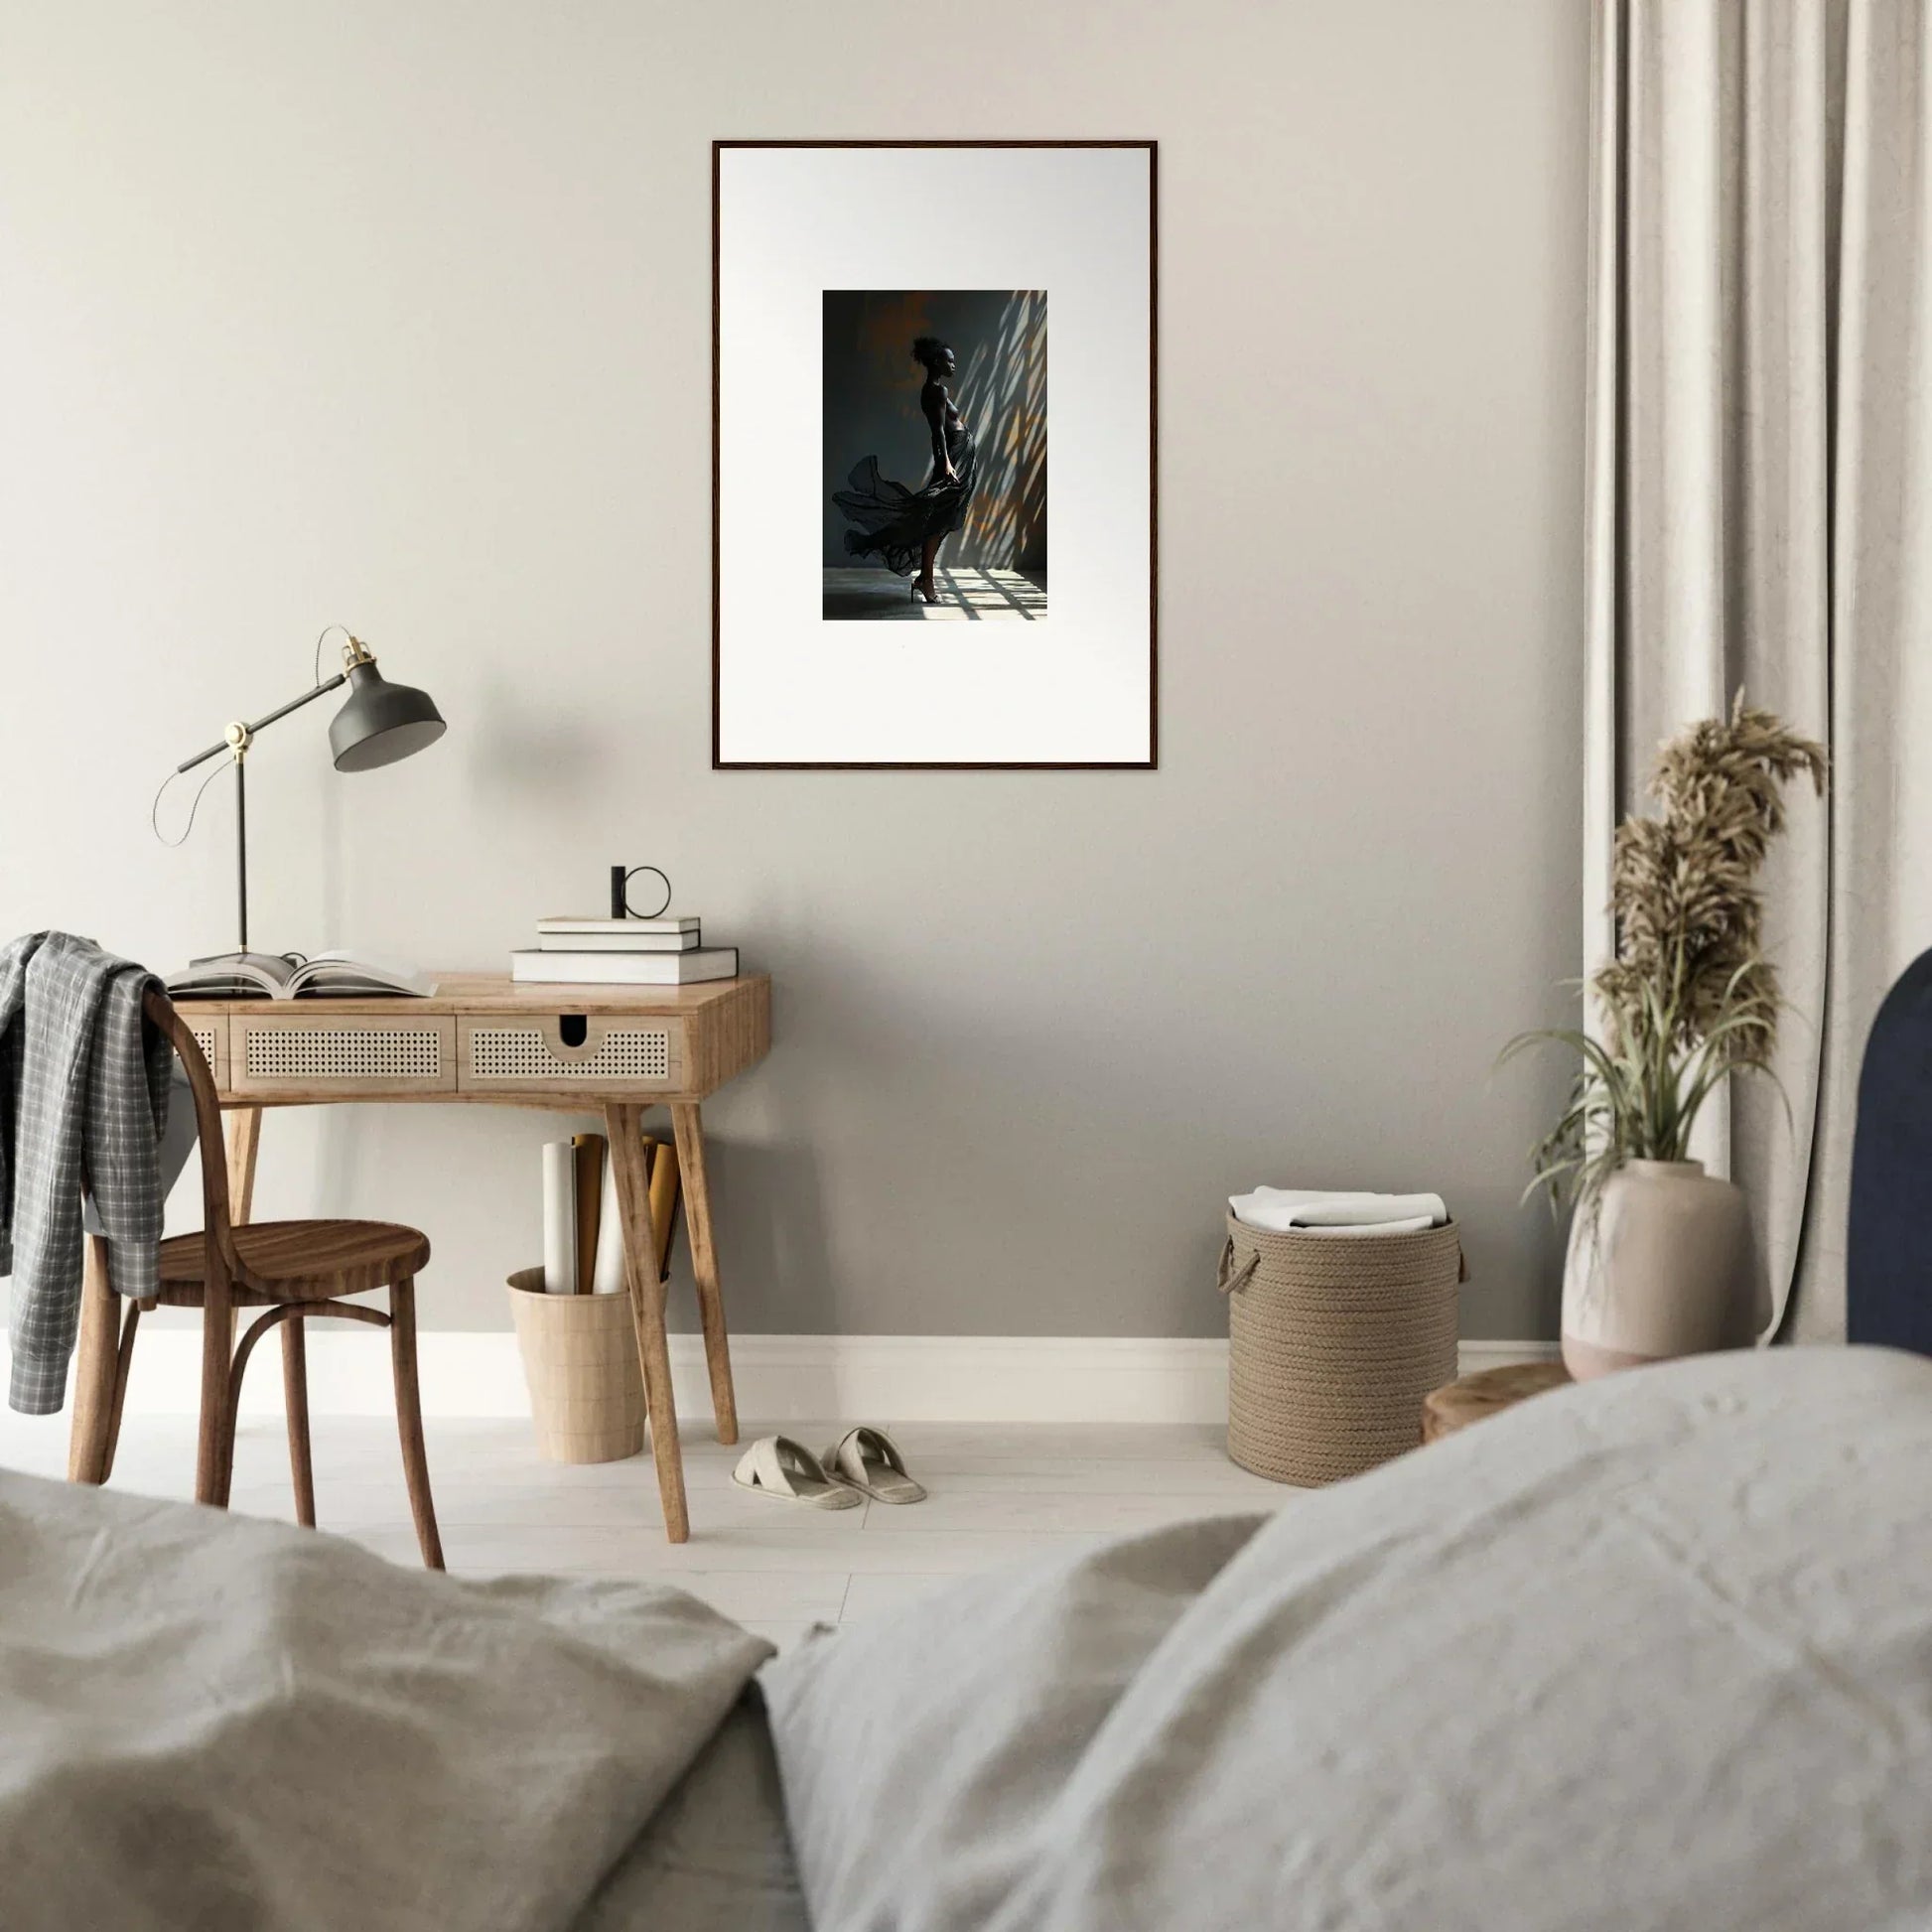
(1690, 998)
(1639, 1090)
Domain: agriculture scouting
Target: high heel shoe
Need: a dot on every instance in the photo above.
(919, 590)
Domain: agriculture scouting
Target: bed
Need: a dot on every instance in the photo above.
(1656, 1651)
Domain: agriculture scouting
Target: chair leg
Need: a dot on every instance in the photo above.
(295, 1399)
(409, 1417)
(215, 1448)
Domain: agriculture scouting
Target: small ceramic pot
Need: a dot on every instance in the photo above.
(1658, 1265)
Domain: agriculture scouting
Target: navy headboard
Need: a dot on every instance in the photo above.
(1889, 1247)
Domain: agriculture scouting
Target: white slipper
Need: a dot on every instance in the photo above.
(775, 1465)
(870, 1461)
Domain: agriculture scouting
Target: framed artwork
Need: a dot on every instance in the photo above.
(925, 553)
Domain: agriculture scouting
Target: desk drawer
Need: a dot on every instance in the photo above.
(560, 1049)
(211, 1031)
(309, 1052)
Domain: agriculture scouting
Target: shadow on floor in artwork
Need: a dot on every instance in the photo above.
(965, 596)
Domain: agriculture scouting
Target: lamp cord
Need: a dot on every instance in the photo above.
(154, 810)
(315, 676)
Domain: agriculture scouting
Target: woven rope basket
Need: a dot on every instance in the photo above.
(1333, 1341)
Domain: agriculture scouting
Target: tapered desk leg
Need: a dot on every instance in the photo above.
(94, 1364)
(625, 1126)
(688, 1126)
(244, 1143)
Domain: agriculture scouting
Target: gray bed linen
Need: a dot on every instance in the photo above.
(210, 1723)
(1655, 1652)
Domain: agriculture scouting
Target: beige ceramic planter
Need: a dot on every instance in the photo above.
(1659, 1266)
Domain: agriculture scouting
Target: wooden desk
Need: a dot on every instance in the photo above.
(484, 1042)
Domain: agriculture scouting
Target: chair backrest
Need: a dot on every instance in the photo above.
(216, 1225)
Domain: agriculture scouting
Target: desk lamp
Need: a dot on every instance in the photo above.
(378, 724)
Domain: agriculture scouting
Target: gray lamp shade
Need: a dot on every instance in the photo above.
(381, 722)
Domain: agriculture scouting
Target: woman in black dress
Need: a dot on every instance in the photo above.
(903, 529)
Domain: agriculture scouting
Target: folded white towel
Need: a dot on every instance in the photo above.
(1367, 1228)
(1316, 1210)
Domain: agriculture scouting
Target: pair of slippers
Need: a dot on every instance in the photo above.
(863, 1462)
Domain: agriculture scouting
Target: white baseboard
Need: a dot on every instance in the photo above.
(778, 1378)
(1473, 1358)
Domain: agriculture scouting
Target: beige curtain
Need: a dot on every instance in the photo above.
(1759, 467)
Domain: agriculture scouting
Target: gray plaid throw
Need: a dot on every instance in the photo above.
(82, 1091)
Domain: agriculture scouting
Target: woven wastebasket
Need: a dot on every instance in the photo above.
(1333, 1341)
(580, 1359)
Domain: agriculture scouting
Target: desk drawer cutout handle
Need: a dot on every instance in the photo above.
(339, 1052)
(542, 1052)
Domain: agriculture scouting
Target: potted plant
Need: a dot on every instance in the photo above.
(1659, 1260)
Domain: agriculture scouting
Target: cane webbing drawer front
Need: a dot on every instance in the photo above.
(312, 1051)
(500, 1053)
(211, 1033)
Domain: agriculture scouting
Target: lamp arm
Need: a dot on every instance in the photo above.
(248, 731)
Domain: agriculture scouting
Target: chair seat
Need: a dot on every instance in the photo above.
(301, 1261)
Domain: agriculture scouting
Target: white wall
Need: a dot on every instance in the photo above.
(399, 315)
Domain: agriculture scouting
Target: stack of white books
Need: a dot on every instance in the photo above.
(622, 952)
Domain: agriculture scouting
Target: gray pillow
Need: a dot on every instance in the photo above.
(213, 1722)
(1654, 1651)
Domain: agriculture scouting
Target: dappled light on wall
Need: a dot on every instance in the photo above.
(1004, 389)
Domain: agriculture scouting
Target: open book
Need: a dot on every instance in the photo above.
(288, 976)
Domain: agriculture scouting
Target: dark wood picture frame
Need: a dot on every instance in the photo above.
(1153, 760)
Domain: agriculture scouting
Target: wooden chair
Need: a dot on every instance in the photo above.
(292, 1270)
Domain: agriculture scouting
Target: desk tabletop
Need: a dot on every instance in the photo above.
(461, 993)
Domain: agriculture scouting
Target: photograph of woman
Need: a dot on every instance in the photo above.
(971, 538)
(900, 526)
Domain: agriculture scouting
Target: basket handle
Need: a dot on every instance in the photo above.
(1229, 1279)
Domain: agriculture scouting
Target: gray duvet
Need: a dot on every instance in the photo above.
(1652, 1653)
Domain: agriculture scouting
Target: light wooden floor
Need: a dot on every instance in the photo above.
(998, 1492)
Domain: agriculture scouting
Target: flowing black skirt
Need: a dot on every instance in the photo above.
(893, 523)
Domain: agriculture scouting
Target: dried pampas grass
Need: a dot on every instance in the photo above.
(1689, 997)
(1689, 917)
